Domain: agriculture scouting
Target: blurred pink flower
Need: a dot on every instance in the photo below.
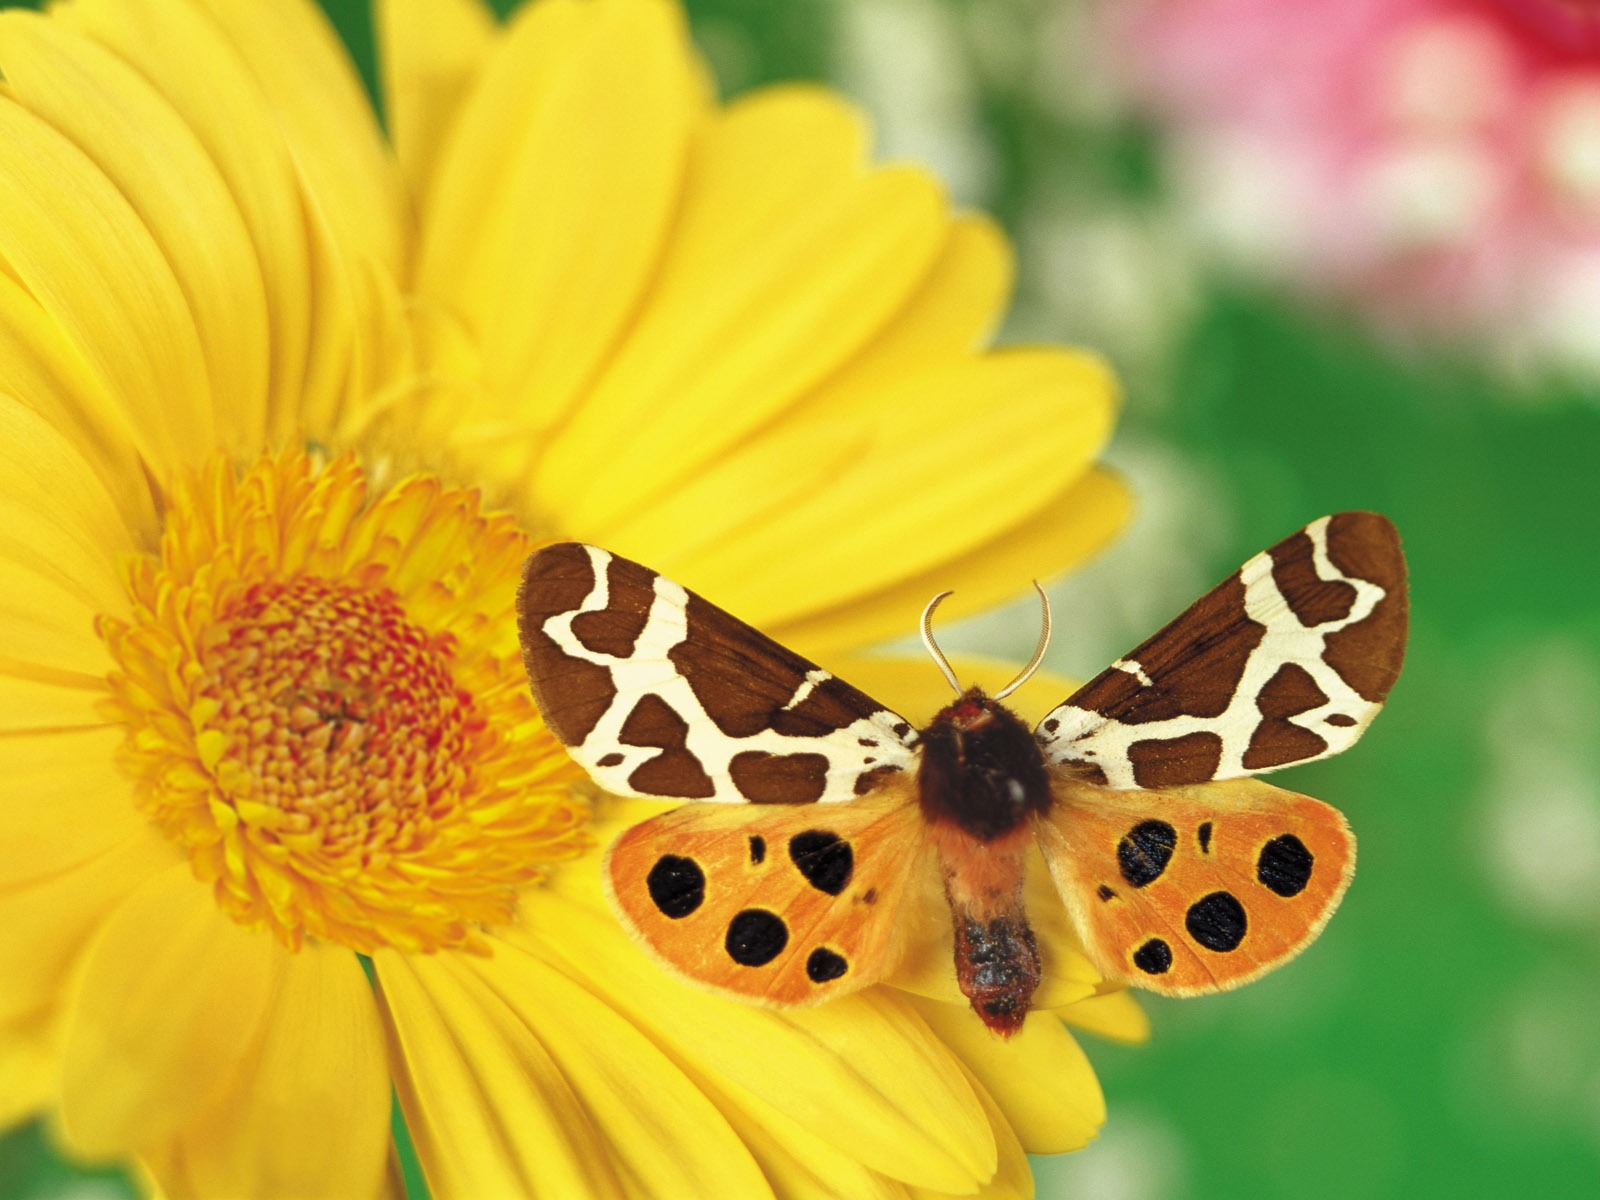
(1437, 161)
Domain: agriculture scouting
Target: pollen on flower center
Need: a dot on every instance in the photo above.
(349, 718)
(326, 707)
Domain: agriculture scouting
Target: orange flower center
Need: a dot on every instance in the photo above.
(327, 711)
(346, 713)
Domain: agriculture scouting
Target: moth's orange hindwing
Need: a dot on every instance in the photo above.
(657, 692)
(786, 905)
(1195, 889)
(1287, 660)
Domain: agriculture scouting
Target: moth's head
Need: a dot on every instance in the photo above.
(974, 711)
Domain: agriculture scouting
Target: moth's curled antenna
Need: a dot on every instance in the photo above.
(1038, 651)
(933, 647)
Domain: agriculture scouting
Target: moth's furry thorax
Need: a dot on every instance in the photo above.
(981, 768)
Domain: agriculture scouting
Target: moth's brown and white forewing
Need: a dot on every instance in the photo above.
(656, 692)
(1286, 661)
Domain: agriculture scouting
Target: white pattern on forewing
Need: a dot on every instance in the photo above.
(1083, 735)
(648, 669)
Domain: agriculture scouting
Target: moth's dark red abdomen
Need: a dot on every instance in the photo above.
(981, 768)
(998, 969)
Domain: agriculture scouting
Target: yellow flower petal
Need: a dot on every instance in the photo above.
(763, 292)
(1040, 1078)
(75, 408)
(76, 243)
(735, 496)
(308, 1114)
(186, 56)
(630, 1089)
(58, 515)
(896, 1101)
(323, 114)
(486, 1106)
(548, 308)
(1013, 1177)
(50, 920)
(1115, 1014)
(62, 801)
(28, 1064)
(36, 699)
(795, 1161)
(1000, 434)
(1058, 534)
(168, 1004)
(152, 157)
(952, 313)
(429, 52)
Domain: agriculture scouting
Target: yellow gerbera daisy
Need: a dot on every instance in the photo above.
(283, 405)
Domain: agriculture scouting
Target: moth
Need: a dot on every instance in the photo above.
(820, 821)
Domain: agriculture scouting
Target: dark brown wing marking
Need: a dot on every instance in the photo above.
(657, 692)
(1286, 661)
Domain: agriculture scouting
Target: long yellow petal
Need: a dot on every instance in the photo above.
(75, 242)
(42, 699)
(185, 55)
(150, 154)
(735, 496)
(541, 240)
(75, 406)
(630, 1089)
(772, 280)
(325, 117)
(1057, 534)
(488, 1109)
(897, 1100)
(28, 1063)
(795, 1160)
(951, 314)
(1040, 1078)
(168, 1004)
(429, 52)
(1116, 1015)
(58, 521)
(309, 1114)
(51, 919)
(1002, 434)
(62, 801)
(1013, 1177)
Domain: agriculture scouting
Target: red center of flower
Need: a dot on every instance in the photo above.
(351, 716)
(326, 708)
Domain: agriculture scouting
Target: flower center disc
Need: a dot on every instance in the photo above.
(346, 714)
(326, 708)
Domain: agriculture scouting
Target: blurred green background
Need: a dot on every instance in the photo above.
(1443, 1038)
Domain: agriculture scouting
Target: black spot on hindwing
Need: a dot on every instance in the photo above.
(824, 965)
(677, 885)
(1284, 865)
(824, 858)
(1154, 957)
(1217, 922)
(756, 937)
(1145, 850)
